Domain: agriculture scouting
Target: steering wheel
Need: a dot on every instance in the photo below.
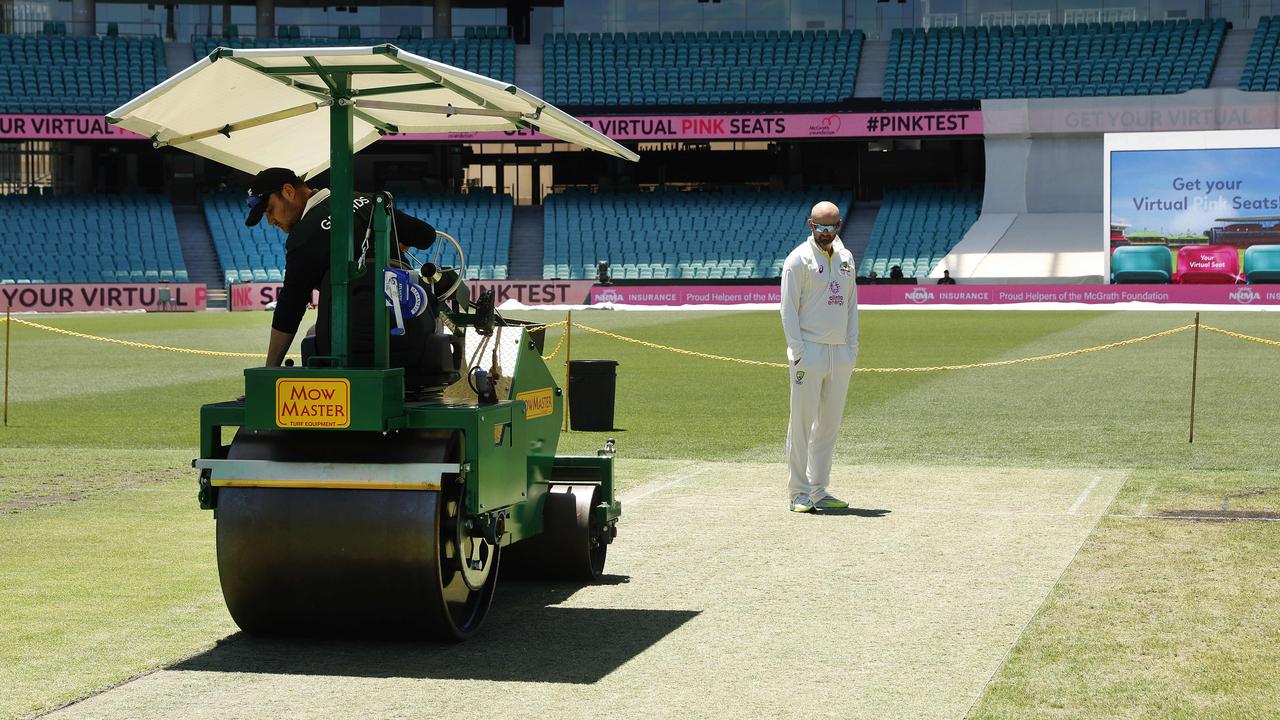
(458, 271)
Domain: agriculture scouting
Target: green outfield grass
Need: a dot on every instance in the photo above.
(107, 567)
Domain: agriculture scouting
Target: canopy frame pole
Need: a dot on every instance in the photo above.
(239, 125)
(319, 92)
(342, 190)
(446, 82)
(446, 110)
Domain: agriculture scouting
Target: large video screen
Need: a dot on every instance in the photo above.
(1205, 204)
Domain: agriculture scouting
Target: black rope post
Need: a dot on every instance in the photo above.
(1195, 355)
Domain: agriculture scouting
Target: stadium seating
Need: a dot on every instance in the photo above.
(56, 74)
(915, 229)
(700, 68)
(1154, 57)
(480, 221)
(492, 57)
(1261, 65)
(89, 238)
(1262, 264)
(1141, 264)
(667, 235)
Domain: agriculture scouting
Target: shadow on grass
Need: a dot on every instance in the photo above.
(859, 512)
(525, 638)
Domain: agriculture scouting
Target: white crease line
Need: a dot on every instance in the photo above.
(1216, 518)
(643, 492)
(1084, 496)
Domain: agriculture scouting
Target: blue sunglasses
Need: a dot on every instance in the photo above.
(824, 228)
(255, 200)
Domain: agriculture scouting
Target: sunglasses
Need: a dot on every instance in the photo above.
(255, 200)
(824, 228)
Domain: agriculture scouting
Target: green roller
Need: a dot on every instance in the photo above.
(356, 497)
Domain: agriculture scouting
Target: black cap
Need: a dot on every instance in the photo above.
(265, 183)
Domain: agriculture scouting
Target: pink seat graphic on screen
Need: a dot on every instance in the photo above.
(1208, 264)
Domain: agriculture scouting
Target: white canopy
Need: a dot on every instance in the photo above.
(255, 109)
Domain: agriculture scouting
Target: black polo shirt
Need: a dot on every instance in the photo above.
(306, 259)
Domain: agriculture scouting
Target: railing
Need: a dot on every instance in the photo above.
(13, 22)
(336, 31)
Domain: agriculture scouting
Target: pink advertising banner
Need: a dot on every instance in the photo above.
(950, 294)
(686, 294)
(257, 295)
(753, 127)
(87, 298)
(1088, 294)
(61, 127)
(632, 127)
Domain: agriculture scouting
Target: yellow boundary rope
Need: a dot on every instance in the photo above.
(1241, 336)
(137, 345)
(559, 344)
(694, 353)
(935, 368)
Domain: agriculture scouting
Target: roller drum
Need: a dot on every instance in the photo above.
(321, 561)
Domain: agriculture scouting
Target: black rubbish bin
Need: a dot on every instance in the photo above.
(592, 385)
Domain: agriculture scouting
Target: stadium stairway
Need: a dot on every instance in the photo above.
(870, 80)
(856, 233)
(177, 57)
(198, 252)
(525, 260)
(1231, 59)
(529, 69)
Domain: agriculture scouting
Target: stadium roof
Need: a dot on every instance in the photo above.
(255, 109)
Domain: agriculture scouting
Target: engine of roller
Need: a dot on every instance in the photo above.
(389, 494)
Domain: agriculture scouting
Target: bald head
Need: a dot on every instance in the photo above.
(825, 213)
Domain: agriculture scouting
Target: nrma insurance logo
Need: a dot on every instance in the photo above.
(609, 295)
(919, 295)
(1245, 295)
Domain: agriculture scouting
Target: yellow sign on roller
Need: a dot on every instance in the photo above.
(313, 403)
(537, 403)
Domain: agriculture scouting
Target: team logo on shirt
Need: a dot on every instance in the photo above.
(845, 269)
(836, 293)
(799, 376)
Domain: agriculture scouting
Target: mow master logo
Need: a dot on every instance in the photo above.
(537, 403)
(318, 403)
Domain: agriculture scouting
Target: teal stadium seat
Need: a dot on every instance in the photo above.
(659, 235)
(1071, 60)
(103, 238)
(51, 73)
(915, 229)
(1151, 264)
(702, 68)
(492, 57)
(1262, 264)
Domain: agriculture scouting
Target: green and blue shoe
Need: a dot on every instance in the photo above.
(830, 502)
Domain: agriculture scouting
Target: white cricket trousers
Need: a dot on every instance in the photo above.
(819, 384)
